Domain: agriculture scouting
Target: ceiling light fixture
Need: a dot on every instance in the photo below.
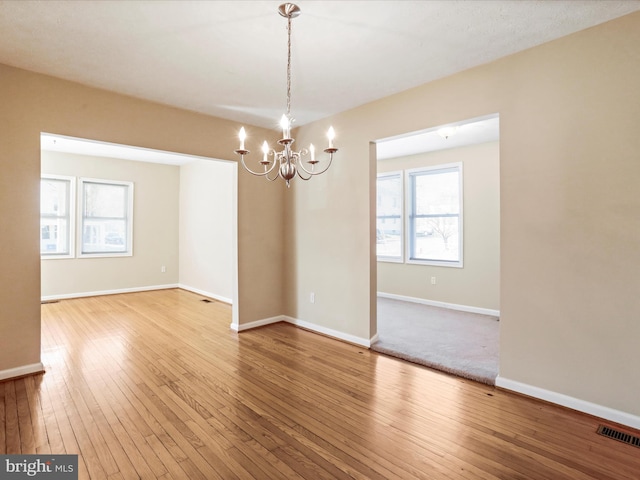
(446, 132)
(289, 161)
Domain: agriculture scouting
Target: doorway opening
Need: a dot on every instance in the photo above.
(120, 218)
(438, 247)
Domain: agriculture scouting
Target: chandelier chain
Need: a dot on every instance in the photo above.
(288, 66)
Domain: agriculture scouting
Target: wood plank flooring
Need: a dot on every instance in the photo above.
(155, 385)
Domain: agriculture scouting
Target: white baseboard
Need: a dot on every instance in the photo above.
(206, 294)
(363, 342)
(67, 296)
(617, 416)
(308, 326)
(21, 371)
(257, 323)
(434, 303)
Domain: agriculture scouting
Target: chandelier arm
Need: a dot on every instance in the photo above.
(300, 175)
(275, 177)
(321, 171)
(257, 174)
(277, 174)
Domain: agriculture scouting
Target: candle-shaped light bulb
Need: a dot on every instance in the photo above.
(284, 123)
(331, 134)
(265, 151)
(312, 149)
(242, 136)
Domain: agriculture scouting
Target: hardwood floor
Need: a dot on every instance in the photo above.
(156, 385)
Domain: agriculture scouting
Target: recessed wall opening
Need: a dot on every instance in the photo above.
(119, 218)
(438, 247)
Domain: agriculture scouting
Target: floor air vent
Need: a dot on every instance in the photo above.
(205, 300)
(620, 436)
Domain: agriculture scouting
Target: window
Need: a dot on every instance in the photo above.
(435, 215)
(389, 223)
(56, 216)
(107, 218)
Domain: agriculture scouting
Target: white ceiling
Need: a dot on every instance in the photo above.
(228, 58)
(466, 132)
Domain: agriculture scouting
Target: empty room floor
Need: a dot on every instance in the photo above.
(461, 343)
(156, 385)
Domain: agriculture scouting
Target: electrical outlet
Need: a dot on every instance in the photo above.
(312, 297)
(433, 280)
(163, 269)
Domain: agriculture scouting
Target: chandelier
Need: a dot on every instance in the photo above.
(288, 161)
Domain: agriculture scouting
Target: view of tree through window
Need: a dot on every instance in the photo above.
(389, 216)
(434, 219)
(433, 224)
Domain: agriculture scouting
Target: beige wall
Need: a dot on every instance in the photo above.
(208, 227)
(33, 103)
(328, 238)
(155, 229)
(570, 228)
(477, 284)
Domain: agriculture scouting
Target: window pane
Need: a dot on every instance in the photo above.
(437, 192)
(54, 195)
(104, 236)
(104, 200)
(54, 236)
(389, 216)
(437, 238)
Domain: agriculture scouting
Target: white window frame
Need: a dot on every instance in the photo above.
(81, 218)
(387, 258)
(71, 217)
(409, 236)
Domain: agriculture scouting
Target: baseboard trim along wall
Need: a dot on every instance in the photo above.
(21, 371)
(204, 293)
(363, 342)
(258, 323)
(66, 296)
(434, 303)
(583, 406)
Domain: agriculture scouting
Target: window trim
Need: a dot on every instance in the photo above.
(71, 217)
(387, 258)
(410, 173)
(81, 218)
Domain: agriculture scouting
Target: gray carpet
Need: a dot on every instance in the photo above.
(461, 343)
